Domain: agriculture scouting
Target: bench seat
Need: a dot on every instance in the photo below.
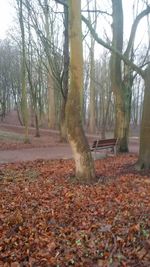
(104, 144)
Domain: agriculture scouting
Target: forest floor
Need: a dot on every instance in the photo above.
(49, 220)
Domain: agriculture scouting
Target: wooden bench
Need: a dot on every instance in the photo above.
(104, 144)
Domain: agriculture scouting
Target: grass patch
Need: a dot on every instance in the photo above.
(11, 136)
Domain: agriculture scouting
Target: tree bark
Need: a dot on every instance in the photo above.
(92, 104)
(63, 132)
(83, 160)
(144, 153)
(24, 107)
(50, 78)
(116, 76)
(51, 100)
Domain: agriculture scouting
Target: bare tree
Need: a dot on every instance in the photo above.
(24, 105)
(83, 159)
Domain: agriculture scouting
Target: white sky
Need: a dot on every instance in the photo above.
(6, 17)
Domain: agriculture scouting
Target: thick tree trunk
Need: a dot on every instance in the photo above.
(120, 122)
(144, 154)
(116, 79)
(123, 112)
(82, 155)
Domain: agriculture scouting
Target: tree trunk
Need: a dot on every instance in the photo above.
(127, 89)
(24, 106)
(37, 132)
(50, 78)
(116, 78)
(92, 113)
(144, 153)
(92, 104)
(63, 132)
(82, 155)
(51, 101)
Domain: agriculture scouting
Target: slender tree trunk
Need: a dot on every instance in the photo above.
(105, 119)
(144, 153)
(37, 132)
(92, 112)
(51, 101)
(82, 155)
(63, 132)
(17, 104)
(92, 104)
(50, 79)
(24, 106)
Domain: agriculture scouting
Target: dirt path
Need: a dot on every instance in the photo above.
(46, 147)
(54, 152)
(35, 153)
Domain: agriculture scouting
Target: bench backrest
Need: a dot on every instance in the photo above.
(104, 142)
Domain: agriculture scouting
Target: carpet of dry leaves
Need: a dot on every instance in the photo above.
(48, 220)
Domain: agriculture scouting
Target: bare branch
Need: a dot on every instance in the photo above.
(111, 48)
(134, 28)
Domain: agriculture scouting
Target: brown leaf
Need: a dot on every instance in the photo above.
(15, 264)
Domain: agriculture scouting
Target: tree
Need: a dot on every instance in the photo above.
(24, 105)
(121, 85)
(82, 155)
(144, 153)
(50, 82)
(116, 72)
(92, 102)
(65, 76)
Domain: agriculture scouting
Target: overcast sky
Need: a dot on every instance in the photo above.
(6, 18)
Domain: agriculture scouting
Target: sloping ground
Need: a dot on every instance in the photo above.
(48, 220)
(12, 138)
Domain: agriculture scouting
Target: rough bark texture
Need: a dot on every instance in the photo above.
(116, 77)
(83, 160)
(144, 154)
(127, 90)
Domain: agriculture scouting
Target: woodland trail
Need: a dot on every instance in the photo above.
(54, 150)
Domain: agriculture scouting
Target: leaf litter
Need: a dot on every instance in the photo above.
(48, 220)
